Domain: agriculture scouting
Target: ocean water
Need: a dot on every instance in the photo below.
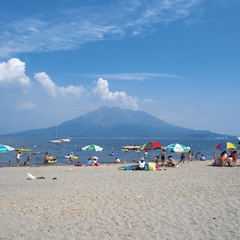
(204, 146)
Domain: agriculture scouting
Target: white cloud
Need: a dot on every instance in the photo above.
(51, 89)
(101, 90)
(70, 28)
(13, 73)
(135, 76)
(26, 106)
(149, 101)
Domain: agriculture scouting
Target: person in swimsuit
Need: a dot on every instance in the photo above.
(18, 155)
(163, 157)
(46, 158)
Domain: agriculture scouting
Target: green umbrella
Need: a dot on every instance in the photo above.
(93, 148)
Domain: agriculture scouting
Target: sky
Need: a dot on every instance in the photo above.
(178, 60)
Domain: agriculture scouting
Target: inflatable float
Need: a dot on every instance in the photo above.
(52, 161)
(73, 157)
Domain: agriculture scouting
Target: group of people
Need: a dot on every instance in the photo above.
(18, 156)
(161, 160)
(226, 159)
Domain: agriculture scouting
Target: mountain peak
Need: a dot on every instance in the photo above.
(114, 122)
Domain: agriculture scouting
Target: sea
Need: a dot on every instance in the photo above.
(204, 147)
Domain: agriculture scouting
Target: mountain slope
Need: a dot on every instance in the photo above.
(114, 122)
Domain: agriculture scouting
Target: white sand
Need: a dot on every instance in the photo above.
(193, 201)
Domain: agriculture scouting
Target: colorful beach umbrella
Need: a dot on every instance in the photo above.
(226, 145)
(176, 147)
(93, 148)
(5, 148)
(151, 146)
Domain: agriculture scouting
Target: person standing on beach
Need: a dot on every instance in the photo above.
(46, 158)
(189, 156)
(182, 159)
(234, 157)
(163, 157)
(28, 159)
(18, 155)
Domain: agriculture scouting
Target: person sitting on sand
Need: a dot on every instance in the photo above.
(141, 164)
(171, 161)
(78, 164)
(156, 160)
(89, 162)
(224, 159)
(217, 161)
(117, 160)
(202, 158)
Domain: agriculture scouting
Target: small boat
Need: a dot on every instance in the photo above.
(56, 141)
(22, 149)
(65, 140)
(131, 147)
(52, 158)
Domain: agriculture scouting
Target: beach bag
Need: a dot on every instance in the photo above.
(152, 166)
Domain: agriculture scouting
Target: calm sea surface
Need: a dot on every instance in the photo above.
(206, 147)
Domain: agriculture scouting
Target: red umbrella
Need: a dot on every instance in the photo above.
(151, 146)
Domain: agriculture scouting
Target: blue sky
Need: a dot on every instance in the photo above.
(178, 60)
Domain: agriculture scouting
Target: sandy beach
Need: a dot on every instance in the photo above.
(193, 201)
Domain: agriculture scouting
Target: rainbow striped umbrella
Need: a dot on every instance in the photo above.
(226, 145)
(151, 146)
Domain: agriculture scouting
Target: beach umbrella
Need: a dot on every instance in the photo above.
(226, 145)
(176, 147)
(151, 146)
(93, 148)
(5, 148)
